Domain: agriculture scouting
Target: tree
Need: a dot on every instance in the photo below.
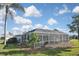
(7, 6)
(74, 26)
(33, 39)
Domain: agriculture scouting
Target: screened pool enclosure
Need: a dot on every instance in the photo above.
(49, 36)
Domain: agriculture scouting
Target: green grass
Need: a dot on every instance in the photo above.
(13, 50)
(75, 42)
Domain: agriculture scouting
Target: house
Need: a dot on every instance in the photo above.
(46, 36)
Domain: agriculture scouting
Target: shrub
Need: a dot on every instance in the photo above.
(33, 39)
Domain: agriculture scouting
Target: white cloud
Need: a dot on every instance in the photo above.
(45, 27)
(2, 13)
(52, 21)
(15, 28)
(22, 21)
(12, 11)
(16, 31)
(1, 30)
(32, 11)
(40, 26)
(1, 22)
(26, 28)
(65, 30)
(63, 10)
(76, 10)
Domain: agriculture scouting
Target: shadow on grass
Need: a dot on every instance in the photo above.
(10, 46)
(77, 54)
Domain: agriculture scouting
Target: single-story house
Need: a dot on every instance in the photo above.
(45, 35)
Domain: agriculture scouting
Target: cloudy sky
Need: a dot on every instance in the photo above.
(44, 16)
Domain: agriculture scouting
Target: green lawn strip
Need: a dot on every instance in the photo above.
(48, 52)
(13, 50)
(72, 52)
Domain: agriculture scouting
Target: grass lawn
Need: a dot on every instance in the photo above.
(12, 50)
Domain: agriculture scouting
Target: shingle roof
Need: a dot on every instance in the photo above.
(47, 31)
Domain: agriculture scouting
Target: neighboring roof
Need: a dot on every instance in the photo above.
(47, 31)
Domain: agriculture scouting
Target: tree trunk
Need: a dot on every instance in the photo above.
(5, 19)
(34, 46)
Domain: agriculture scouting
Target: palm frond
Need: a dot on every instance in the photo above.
(17, 6)
(11, 15)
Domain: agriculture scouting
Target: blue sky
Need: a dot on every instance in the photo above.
(45, 16)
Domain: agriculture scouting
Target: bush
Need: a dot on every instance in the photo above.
(33, 40)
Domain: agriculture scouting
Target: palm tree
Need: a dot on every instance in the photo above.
(7, 6)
